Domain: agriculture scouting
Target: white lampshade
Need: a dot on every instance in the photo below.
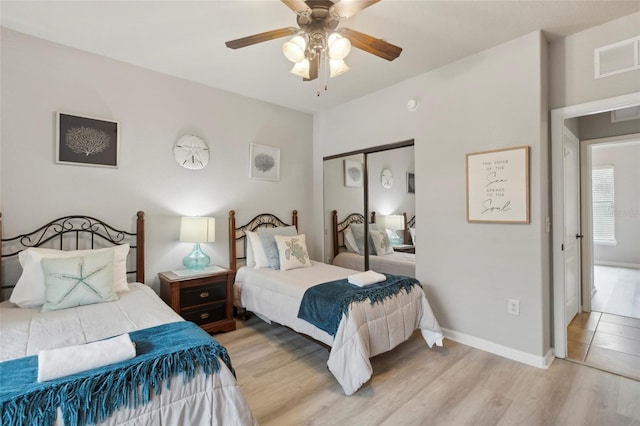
(301, 68)
(198, 229)
(337, 67)
(339, 47)
(294, 49)
(395, 222)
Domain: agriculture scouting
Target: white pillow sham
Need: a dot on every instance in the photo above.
(350, 241)
(412, 232)
(292, 251)
(258, 256)
(30, 288)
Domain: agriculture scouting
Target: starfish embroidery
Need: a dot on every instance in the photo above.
(80, 278)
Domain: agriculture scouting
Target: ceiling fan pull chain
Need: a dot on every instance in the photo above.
(326, 71)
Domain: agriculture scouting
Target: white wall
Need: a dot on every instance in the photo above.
(571, 69)
(625, 159)
(154, 110)
(491, 100)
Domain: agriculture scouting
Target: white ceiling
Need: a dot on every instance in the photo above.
(186, 38)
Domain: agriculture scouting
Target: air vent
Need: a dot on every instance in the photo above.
(617, 58)
(625, 114)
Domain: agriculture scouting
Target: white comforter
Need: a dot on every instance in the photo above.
(212, 400)
(366, 331)
(395, 263)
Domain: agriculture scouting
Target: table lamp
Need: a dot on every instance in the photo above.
(197, 230)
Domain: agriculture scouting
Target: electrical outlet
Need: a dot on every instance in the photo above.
(513, 307)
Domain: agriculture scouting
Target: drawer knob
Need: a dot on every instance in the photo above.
(204, 315)
(204, 294)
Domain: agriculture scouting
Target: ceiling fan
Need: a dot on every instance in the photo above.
(317, 38)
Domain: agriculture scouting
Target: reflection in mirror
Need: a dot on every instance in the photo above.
(389, 190)
(343, 191)
(391, 204)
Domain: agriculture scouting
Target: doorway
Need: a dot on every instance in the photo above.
(560, 206)
(611, 215)
(604, 333)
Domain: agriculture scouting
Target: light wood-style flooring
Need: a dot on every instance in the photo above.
(285, 380)
(606, 341)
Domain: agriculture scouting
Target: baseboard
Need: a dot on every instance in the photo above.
(617, 264)
(504, 351)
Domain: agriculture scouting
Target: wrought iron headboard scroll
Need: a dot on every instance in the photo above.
(70, 231)
(339, 227)
(236, 235)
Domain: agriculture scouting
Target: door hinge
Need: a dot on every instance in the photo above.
(562, 247)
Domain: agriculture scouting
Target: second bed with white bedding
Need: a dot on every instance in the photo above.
(367, 330)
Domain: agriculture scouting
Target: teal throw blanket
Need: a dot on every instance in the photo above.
(92, 396)
(324, 304)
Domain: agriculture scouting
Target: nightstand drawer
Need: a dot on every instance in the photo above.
(206, 314)
(202, 294)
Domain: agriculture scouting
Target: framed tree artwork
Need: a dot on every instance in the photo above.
(87, 141)
(353, 174)
(264, 162)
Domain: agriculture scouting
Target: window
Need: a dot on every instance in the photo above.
(602, 196)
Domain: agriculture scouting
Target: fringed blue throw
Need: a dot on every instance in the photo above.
(92, 396)
(324, 304)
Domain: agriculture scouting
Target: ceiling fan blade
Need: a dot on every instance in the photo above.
(372, 45)
(347, 8)
(259, 38)
(298, 6)
(314, 65)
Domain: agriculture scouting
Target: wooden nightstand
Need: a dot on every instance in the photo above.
(405, 248)
(205, 298)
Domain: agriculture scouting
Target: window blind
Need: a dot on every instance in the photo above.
(602, 196)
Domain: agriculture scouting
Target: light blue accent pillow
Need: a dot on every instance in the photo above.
(357, 229)
(76, 281)
(268, 240)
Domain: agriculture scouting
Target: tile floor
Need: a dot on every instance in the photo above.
(617, 291)
(605, 341)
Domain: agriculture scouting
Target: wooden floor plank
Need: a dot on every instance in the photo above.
(285, 380)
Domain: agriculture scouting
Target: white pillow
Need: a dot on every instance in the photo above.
(350, 241)
(412, 232)
(259, 256)
(250, 260)
(381, 242)
(30, 289)
(293, 252)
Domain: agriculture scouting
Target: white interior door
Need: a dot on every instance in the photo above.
(572, 235)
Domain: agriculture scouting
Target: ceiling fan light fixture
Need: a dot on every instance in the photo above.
(339, 47)
(337, 67)
(294, 49)
(301, 68)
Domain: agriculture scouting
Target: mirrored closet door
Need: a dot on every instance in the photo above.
(377, 184)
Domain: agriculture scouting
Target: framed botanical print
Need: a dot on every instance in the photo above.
(87, 141)
(353, 174)
(264, 162)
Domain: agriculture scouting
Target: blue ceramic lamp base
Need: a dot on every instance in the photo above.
(197, 259)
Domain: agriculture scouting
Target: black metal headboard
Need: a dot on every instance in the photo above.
(77, 232)
(238, 235)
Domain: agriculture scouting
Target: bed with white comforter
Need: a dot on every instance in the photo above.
(395, 263)
(205, 400)
(367, 330)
